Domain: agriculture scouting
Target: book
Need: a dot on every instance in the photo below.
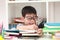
(30, 34)
(52, 25)
(27, 31)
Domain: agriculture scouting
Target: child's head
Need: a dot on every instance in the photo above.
(30, 15)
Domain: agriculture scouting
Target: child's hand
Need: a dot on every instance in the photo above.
(39, 31)
(32, 27)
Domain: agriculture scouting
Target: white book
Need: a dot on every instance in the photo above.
(27, 31)
(21, 0)
(30, 34)
(11, 33)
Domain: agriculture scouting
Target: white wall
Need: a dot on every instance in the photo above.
(1, 10)
(57, 12)
(3, 14)
(21, 0)
(54, 12)
(15, 9)
(11, 12)
(52, 0)
(50, 12)
(37, 0)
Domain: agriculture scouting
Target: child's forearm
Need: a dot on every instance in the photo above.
(22, 28)
(28, 27)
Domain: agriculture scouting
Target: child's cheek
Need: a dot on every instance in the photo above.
(26, 22)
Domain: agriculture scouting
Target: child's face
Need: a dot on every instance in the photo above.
(30, 19)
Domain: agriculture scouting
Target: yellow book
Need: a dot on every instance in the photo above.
(1, 38)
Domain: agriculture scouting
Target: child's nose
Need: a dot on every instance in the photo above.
(33, 21)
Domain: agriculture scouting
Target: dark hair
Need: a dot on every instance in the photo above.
(28, 10)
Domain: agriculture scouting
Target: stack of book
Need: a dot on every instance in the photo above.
(52, 27)
(20, 33)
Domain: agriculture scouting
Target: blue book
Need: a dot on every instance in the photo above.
(52, 25)
(12, 31)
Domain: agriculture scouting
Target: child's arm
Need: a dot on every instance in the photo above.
(31, 27)
(39, 31)
(27, 27)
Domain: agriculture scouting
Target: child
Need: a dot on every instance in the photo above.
(30, 16)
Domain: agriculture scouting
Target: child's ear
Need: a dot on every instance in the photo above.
(24, 19)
